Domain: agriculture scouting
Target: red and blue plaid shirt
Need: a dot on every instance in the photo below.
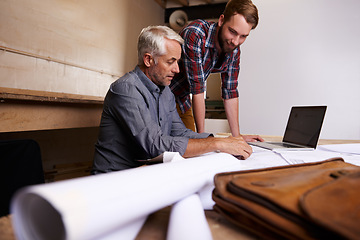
(199, 58)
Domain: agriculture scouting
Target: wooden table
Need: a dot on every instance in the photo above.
(155, 227)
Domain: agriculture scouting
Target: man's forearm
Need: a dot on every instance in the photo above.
(197, 147)
(198, 102)
(232, 145)
(232, 114)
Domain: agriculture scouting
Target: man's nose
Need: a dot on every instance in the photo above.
(176, 68)
(236, 41)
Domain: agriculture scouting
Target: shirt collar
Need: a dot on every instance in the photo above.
(210, 41)
(152, 87)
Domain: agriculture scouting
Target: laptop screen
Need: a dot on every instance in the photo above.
(304, 125)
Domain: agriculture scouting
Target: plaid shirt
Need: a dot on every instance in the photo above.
(199, 58)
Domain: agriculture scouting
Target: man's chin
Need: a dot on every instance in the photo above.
(167, 83)
(229, 49)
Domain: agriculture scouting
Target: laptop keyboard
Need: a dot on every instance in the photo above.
(286, 145)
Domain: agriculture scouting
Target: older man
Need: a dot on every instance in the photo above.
(140, 120)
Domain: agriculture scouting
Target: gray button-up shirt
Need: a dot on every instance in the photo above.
(139, 121)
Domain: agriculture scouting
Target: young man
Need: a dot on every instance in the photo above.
(209, 48)
(139, 119)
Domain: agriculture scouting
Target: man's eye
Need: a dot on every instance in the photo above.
(233, 31)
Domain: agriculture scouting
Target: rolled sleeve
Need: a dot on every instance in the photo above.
(230, 79)
(193, 62)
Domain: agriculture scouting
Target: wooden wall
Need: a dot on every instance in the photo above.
(57, 60)
(76, 47)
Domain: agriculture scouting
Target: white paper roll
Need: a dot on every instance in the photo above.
(188, 221)
(129, 231)
(96, 206)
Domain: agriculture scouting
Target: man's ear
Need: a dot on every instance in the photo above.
(221, 20)
(147, 58)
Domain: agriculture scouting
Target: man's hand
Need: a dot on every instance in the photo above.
(235, 146)
(252, 138)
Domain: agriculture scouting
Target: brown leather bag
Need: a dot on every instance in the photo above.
(318, 200)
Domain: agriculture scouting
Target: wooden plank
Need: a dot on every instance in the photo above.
(27, 110)
(183, 2)
(162, 3)
(18, 115)
(32, 95)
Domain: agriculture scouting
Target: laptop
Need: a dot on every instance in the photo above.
(302, 130)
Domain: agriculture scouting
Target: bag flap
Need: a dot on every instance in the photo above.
(280, 189)
(242, 207)
(244, 210)
(336, 205)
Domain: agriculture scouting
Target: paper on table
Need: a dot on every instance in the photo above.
(352, 148)
(96, 206)
(267, 158)
(263, 159)
(298, 157)
(188, 221)
(257, 149)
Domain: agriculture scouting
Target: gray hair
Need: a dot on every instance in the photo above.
(152, 40)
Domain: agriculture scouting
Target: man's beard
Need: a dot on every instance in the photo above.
(223, 44)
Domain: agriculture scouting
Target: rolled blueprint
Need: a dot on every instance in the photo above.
(105, 205)
(188, 221)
